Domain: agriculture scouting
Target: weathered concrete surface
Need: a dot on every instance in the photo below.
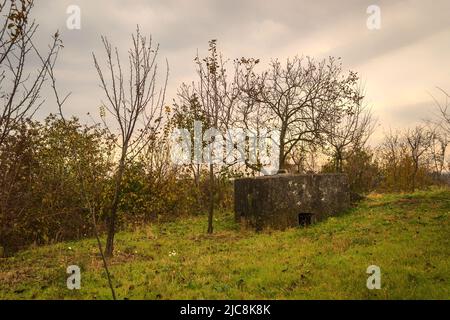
(285, 200)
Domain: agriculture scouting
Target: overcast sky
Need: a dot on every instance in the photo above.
(400, 64)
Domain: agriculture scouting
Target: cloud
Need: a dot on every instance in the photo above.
(403, 24)
(407, 54)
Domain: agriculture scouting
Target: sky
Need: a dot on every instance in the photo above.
(400, 64)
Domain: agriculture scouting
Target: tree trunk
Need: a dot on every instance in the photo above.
(109, 249)
(196, 172)
(281, 155)
(416, 169)
(338, 165)
(211, 198)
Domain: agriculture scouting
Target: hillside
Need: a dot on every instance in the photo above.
(407, 235)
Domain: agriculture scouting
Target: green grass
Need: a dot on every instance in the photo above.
(406, 235)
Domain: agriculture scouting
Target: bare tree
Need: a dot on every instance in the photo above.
(347, 128)
(91, 190)
(304, 157)
(439, 143)
(418, 141)
(440, 127)
(136, 106)
(296, 97)
(187, 112)
(390, 154)
(443, 111)
(20, 81)
(92, 186)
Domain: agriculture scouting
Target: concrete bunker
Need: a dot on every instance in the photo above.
(289, 200)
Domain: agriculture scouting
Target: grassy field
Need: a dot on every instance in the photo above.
(407, 236)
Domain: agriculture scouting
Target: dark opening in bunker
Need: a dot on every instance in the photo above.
(304, 219)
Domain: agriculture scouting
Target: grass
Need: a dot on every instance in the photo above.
(406, 235)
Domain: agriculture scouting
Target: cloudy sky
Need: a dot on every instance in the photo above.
(400, 64)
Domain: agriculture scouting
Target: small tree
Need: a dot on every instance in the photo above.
(136, 106)
(439, 143)
(347, 130)
(418, 141)
(304, 157)
(440, 127)
(443, 111)
(217, 97)
(186, 113)
(296, 97)
(20, 89)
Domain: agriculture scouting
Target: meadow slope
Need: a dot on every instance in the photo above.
(407, 235)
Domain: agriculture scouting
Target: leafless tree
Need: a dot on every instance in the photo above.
(304, 157)
(440, 128)
(295, 98)
(136, 106)
(390, 154)
(443, 108)
(217, 97)
(418, 141)
(439, 143)
(20, 81)
(91, 190)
